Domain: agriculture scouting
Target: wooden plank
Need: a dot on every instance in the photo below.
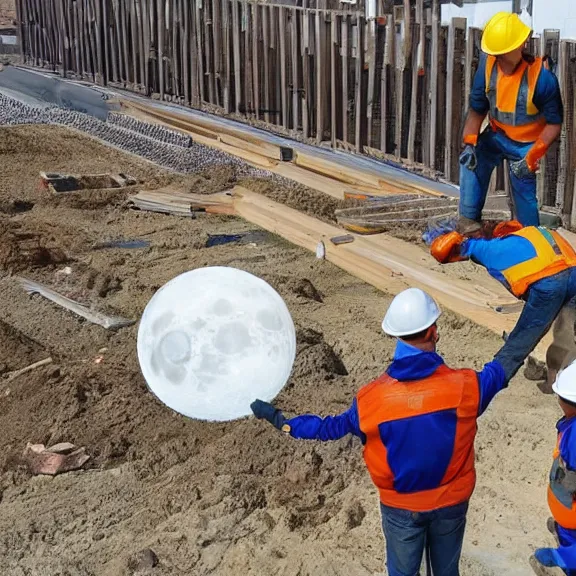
(295, 74)
(434, 69)
(306, 48)
(371, 26)
(385, 262)
(283, 71)
(161, 29)
(236, 49)
(198, 54)
(345, 70)
(454, 108)
(321, 66)
(388, 62)
(208, 50)
(124, 37)
(401, 60)
(226, 48)
(218, 49)
(413, 91)
(335, 22)
(563, 156)
(266, 54)
(359, 132)
(256, 58)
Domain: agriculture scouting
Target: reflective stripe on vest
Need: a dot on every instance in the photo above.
(553, 255)
(386, 400)
(560, 501)
(511, 98)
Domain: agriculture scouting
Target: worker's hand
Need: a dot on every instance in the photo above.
(528, 166)
(522, 170)
(505, 228)
(266, 411)
(447, 248)
(468, 157)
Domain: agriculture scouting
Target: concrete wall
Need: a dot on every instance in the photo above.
(479, 13)
(560, 14)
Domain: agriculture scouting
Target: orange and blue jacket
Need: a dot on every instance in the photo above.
(522, 258)
(417, 423)
(520, 104)
(562, 503)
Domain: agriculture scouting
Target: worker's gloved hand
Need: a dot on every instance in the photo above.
(266, 411)
(528, 166)
(468, 157)
(505, 228)
(521, 170)
(547, 557)
(447, 248)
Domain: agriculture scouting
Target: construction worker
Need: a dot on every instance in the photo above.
(417, 423)
(534, 263)
(522, 97)
(562, 484)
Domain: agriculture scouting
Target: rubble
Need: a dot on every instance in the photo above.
(60, 458)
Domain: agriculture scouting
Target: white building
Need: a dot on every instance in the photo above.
(539, 14)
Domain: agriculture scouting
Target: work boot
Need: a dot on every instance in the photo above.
(467, 226)
(541, 570)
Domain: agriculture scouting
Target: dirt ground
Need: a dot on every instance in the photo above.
(218, 499)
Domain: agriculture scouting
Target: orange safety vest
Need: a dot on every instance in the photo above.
(560, 501)
(387, 399)
(553, 255)
(512, 108)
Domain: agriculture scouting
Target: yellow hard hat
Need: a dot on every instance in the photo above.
(504, 33)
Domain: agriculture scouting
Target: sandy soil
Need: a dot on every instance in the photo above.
(218, 499)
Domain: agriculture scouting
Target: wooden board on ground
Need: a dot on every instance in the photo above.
(385, 262)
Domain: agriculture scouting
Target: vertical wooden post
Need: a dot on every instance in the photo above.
(320, 33)
(295, 76)
(387, 65)
(413, 91)
(360, 107)
(334, 54)
(563, 156)
(346, 40)
(199, 58)
(226, 95)
(434, 81)
(255, 58)
(161, 27)
(266, 46)
(236, 50)
(218, 52)
(284, 87)
(371, 27)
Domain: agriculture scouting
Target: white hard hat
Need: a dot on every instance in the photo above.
(565, 384)
(411, 312)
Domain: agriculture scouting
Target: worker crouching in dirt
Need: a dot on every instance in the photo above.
(522, 97)
(562, 485)
(417, 423)
(534, 263)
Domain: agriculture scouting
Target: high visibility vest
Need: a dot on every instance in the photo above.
(560, 501)
(553, 255)
(387, 399)
(512, 107)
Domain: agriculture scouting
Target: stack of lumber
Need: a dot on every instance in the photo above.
(385, 262)
(318, 170)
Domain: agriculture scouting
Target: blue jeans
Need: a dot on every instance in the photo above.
(492, 148)
(544, 301)
(408, 534)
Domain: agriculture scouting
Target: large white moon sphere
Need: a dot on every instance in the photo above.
(212, 340)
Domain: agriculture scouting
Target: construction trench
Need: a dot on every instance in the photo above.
(213, 498)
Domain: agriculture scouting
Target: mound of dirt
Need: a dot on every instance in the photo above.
(17, 350)
(315, 357)
(21, 249)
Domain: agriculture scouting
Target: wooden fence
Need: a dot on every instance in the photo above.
(380, 87)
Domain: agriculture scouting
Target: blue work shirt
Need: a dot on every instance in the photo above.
(409, 364)
(498, 254)
(547, 97)
(566, 551)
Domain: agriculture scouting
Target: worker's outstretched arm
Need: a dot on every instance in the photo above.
(493, 378)
(310, 426)
(472, 127)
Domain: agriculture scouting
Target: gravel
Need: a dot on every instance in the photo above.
(165, 147)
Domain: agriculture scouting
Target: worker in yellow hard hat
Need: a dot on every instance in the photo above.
(522, 97)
